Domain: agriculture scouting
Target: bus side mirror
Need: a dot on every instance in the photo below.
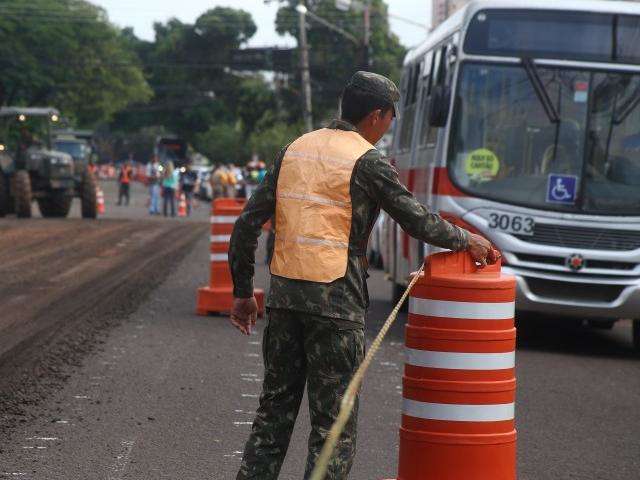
(439, 105)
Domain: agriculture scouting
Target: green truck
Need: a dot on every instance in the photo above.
(32, 168)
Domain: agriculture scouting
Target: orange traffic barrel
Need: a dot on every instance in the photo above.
(218, 296)
(459, 378)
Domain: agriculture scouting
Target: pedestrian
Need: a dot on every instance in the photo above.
(169, 185)
(326, 190)
(124, 181)
(216, 179)
(153, 179)
(188, 181)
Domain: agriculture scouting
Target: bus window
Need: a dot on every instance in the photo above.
(628, 36)
(426, 85)
(409, 112)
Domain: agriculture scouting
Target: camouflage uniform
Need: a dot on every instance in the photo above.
(315, 330)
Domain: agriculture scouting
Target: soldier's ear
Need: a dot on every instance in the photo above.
(375, 116)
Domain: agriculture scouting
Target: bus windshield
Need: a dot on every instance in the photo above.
(506, 147)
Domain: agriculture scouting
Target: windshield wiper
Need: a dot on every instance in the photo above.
(539, 88)
(628, 107)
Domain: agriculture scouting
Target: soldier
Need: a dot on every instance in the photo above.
(326, 190)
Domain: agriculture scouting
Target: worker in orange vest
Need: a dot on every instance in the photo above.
(326, 190)
(124, 181)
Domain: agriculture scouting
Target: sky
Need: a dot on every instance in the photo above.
(141, 14)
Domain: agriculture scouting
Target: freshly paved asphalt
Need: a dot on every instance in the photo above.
(171, 395)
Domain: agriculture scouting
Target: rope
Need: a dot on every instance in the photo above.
(348, 401)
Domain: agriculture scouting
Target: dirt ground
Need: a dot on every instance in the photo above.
(62, 283)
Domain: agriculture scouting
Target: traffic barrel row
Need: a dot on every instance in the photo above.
(459, 376)
(217, 297)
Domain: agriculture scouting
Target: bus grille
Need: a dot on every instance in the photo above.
(561, 261)
(568, 291)
(581, 237)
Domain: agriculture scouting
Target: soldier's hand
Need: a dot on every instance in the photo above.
(244, 314)
(482, 251)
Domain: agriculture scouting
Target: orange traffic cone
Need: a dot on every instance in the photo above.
(100, 201)
(459, 378)
(182, 206)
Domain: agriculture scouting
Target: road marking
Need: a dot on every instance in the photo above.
(122, 461)
(250, 395)
(251, 379)
(254, 343)
(388, 364)
(253, 355)
(45, 439)
(237, 424)
(62, 421)
(14, 474)
(81, 396)
(248, 374)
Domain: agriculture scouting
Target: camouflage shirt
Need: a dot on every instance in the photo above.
(374, 186)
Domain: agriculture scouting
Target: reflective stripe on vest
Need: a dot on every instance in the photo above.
(313, 205)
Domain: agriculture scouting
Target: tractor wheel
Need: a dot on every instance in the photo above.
(4, 195)
(636, 335)
(88, 196)
(55, 205)
(22, 193)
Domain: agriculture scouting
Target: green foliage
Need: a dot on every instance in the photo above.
(269, 141)
(187, 70)
(223, 143)
(66, 54)
(334, 58)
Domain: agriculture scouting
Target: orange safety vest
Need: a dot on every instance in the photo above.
(125, 175)
(313, 205)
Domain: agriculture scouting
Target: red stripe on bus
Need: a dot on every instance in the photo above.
(442, 183)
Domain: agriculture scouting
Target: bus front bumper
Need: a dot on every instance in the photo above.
(572, 296)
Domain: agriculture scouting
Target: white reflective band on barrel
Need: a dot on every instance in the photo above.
(461, 361)
(458, 413)
(224, 219)
(220, 238)
(466, 310)
(219, 257)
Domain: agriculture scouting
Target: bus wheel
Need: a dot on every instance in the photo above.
(636, 334)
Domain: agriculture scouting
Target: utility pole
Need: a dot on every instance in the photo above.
(367, 35)
(304, 67)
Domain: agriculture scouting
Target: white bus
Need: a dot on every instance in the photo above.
(521, 121)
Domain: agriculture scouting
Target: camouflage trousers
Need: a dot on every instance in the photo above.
(301, 348)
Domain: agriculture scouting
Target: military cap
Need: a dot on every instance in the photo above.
(377, 85)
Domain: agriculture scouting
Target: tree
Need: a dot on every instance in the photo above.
(65, 53)
(187, 66)
(267, 142)
(223, 143)
(334, 59)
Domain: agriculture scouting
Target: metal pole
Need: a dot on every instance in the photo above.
(304, 68)
(367, 35)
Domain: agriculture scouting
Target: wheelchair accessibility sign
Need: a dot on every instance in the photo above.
(562, 189)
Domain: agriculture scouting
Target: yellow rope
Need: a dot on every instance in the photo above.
(348, 400)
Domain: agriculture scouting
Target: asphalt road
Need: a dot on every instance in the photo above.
(166, 394)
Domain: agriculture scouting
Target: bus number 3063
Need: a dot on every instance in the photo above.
(511, 223)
